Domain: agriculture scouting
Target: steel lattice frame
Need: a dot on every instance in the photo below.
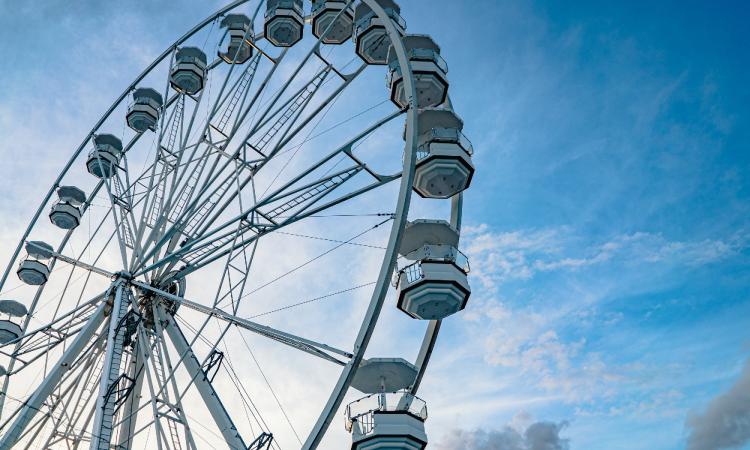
(179, 234)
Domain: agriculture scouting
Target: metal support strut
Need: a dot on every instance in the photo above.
(206, 390)
(105, 403)
(36, 401)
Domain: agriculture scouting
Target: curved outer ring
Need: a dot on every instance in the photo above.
(402, 207)
(389, 260)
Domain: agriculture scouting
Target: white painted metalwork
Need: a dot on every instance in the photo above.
(143, 113)
(429, 68)
(219, 160)
(284, 22)
(105, 156)
(240, 38)
(388, 420)
(337, 14)
(444, 166)
(373, 31)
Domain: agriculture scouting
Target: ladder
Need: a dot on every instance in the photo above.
(172, 421)
(245, 79)
(317, 190)
(124, 205)
(166, 161)
(301, 99)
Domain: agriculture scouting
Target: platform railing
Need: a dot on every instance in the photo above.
(414, 271)
(363, 410)
(445, 135)
(362, 24)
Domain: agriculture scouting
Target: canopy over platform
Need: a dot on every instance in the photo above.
(39, 249)
(430, 118)
(148, 93)
(186, 53)
(376, 375)
(423, 232)
(71, 194)
(13, 308)
(235, 22)
(363, 9)
(108, 139)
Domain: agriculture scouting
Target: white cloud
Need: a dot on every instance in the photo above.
(498, 257)
(525, 336)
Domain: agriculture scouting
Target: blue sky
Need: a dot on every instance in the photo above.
(607, 222)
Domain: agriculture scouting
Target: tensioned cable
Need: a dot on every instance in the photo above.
(322, 297)
(332, 127)
(318, 238)
(242, 389)
(343, 215)
(257, 415)
(278, 402)
(315, 258)
(294, 269)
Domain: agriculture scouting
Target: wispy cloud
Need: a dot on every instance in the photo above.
(535, 340)
(498, 257)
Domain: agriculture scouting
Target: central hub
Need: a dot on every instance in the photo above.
(170, 283)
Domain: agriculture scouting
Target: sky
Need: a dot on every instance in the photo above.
(607, 224)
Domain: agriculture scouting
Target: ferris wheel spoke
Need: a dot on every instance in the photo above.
(291, 201)
(209, 194)
(168, 168)
(37, 343)
(33, 404)
(219, 248)
(234, 98)
(210, 397)
(288, 111)
(345, 149)
(306, 345)
(166, 164)
(282, 141)
(58, 411)
(76, 263)
(225, 106)
(271, 123)
(291, 133)
(167, 196)
(121, 240)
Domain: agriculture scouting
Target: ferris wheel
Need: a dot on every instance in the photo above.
(252, 185)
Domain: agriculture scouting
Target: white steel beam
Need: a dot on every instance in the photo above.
(32, 406)
(130, 411)
(206, 390)
(300, 343)
(401, 213)
(105, 402)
